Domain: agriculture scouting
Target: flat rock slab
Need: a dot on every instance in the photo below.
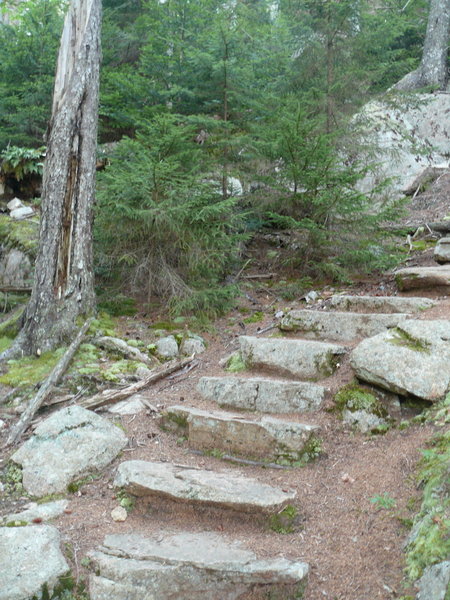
(299, 358)
(224, 489)
(262, 395)
(341, 326)
(69, 444)
(423, 277)
(413, 358)
(266, 438)
(201, 566)
(442, 251)
(29, 558)
(42, 512)
(381, 304)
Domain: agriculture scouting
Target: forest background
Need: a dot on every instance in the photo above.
(220, 122)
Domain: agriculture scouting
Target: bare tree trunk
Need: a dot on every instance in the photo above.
(433, 68)
(63, 287)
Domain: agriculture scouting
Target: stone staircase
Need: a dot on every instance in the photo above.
(286, 376)
(290, 373)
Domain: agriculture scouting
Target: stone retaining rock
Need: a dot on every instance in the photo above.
(435, 582)
(423, 277)
(223, 489)
(412, 359)
(44, 512)
(442, 251)
(30, 557)
(70, 443)
(201, 566)
(267, 438)
(262, 395)
(382, 304)
(341, 326)
(298, 358)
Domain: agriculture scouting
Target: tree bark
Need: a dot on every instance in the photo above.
(433, 68)
(63, 286)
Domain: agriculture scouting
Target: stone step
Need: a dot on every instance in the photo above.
(382, 304)
(201, 566)
(413, 358)
(298, 358)
(267, 438)
(222, 489)
(341, 326)
(262, 395)
(423, 277)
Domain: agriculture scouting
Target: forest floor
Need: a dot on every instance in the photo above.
(352, 540)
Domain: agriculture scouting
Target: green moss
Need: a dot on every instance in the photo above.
(66, 589)
(256, 317)
(104, 324)
(165, 325)
(16, 524)
(430, 543)
(11, 325)
(353, 397)
(10, 301)
(402, 338)
(235, 363)
(119, 369)
(310, 451)
(284, 521)
(11, 477)
(126, 501)
(120, 305)
(75, 486)
(30, 370)
(174, 421)
(5, 343)
(20, 234)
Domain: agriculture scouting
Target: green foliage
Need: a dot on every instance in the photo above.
(353, 397)
(20, 234)
(430, 541)
(235, 363)
(119, 305)
(285, 521)
(384, 501)
(256, 317)
(177, 237)
(20, 162)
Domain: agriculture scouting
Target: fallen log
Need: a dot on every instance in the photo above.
(46, 388)
(111, 396)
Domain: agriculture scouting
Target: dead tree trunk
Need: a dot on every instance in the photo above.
(433, 68)
(63, 287)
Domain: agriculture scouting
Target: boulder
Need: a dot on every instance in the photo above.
(298, 358)
(341, 326)
(22, 212)
(129, 406)
(14, 204)
(382, 304)
(16, 269)
(409, 138)
(262, 395)
(192, 345)
(413, 358)
(222, 489)
(69, 444)
(167, 347)
(423, 277)
(265, 438)
(201, 566)
(435, 582)
(442, 251)
(30, 558)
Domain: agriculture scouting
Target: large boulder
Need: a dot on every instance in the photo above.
(69, 444)
(201, 566)
(381, 304)
(435, 582)
(442, 251)
(30, 561)
(409, 138)
(413, 358)
(413, 278)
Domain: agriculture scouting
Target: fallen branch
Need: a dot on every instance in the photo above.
(14, 289)
(46, 388)
(110, 396)
(112, 343)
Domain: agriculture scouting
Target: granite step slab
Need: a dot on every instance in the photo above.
(199, 487)
(201, 566)
(381, 304)
(266, 438)
(442, 251)
(262, 394)
(423, 278)
(303, 359)
(340, 326)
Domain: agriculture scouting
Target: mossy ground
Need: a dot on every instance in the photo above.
(353, 397)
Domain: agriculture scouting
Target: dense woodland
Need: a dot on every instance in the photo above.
(220, 122)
